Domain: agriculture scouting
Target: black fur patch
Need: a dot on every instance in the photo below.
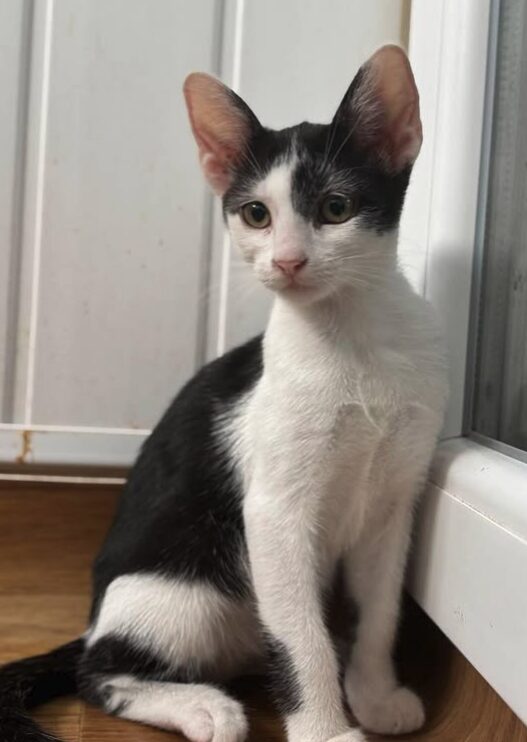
(351, 173)
(180, 514)
(30, 682)
(112, 655)
(284, 682)
(330, 159)
(340, 616)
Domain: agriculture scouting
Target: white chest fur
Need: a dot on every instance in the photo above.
(348, 408)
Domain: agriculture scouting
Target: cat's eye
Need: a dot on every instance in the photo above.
(256, 215)
(336, 209)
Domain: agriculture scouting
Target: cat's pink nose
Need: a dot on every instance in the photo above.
(290, 267)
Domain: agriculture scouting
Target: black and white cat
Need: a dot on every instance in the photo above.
(301, 450)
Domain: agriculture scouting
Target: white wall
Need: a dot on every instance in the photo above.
(116, 281)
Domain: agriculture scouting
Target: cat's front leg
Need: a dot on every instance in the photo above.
(281, 535)
(374, 570)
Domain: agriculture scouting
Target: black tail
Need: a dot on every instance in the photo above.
(28, 683)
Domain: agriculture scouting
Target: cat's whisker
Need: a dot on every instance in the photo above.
(329, 142)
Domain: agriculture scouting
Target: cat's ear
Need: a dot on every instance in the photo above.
(381, 109)
(222, 125)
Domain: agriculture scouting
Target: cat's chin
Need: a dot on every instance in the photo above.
(302, 294)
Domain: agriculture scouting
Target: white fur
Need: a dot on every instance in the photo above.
(201, 712)
(335, 442)
(289, 237)
(332, 446)
(186, 624)
(340, 256)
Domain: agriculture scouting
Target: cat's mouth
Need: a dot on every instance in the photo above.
(290, 284)
(300, 285)
(299, 289)
(296, 285)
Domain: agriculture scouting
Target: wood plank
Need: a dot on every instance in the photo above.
(63, 718)
(47, 542)
(35, 624)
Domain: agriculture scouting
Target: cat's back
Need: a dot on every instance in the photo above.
(180, 511)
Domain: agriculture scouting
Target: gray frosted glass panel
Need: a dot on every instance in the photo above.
(501, 383)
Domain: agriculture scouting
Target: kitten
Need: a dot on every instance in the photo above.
(299, 451)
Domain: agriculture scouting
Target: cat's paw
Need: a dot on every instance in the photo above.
(354, 735)
(217, 718)
(350, 735)
(398, 712)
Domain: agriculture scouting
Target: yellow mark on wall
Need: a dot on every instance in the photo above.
(27, 449)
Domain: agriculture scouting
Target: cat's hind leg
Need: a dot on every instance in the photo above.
(156, 644)
(148, 692)
(201, 712)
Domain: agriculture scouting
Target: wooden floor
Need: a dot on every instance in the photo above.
(48, 536)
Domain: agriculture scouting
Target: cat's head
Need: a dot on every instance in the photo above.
(313, 207)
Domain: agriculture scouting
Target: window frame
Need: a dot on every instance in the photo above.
(470, 550)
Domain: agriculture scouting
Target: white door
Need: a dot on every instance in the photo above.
(116, 282)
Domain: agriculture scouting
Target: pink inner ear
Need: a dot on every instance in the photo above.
(392, 81)
(220, 128)
(406, 137)
(216, 158)
(217, 174)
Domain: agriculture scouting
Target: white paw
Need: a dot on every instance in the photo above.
(219, 719)
(311, 731)
(354, 735)
(397, 712)
(199, 726)
(201, 712)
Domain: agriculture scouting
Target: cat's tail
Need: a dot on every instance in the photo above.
(27, 683)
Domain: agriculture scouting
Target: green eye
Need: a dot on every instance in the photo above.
(336, 209)
(256, 215)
